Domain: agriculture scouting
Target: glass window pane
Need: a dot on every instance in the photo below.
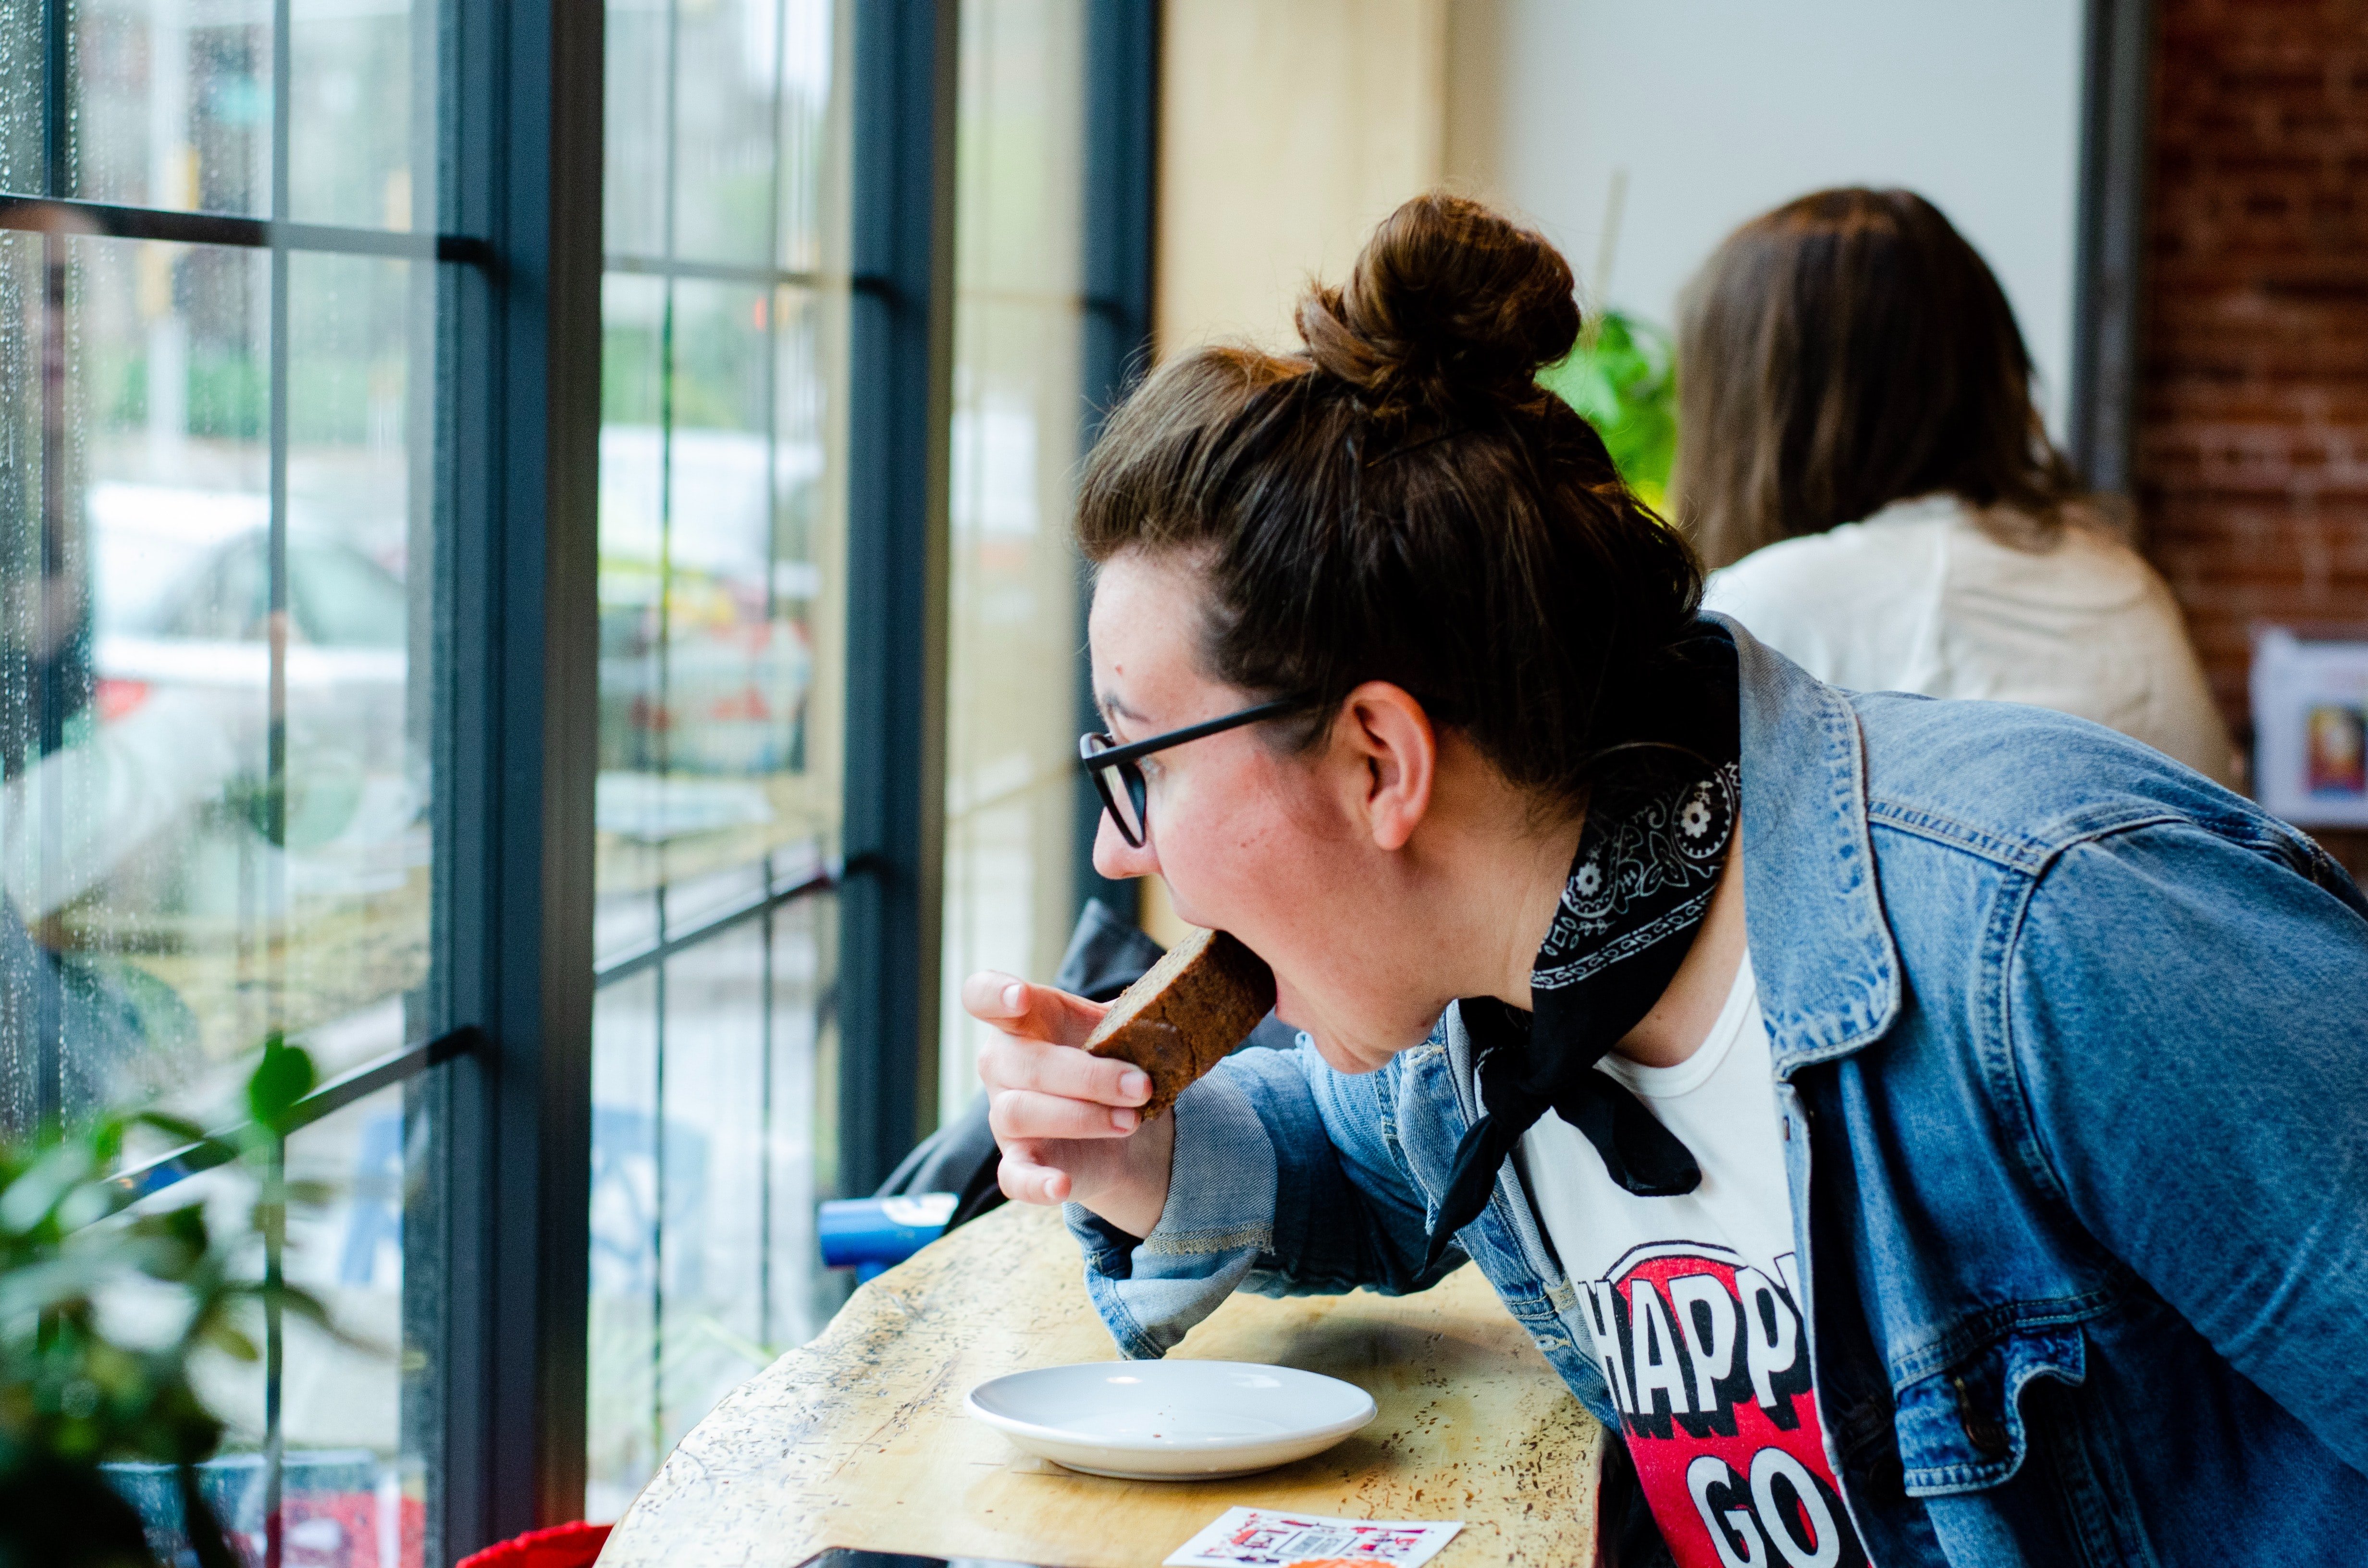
(638, 103)
(804, 588)
(1014, 629)
(361, 112)
(727, 65)
(704, 1256)
(23, 54)
(172, 105)
(351, 1473)
(355, 1484)
(214, 610)
(714, 1257)
(187, 867)
(622, 1415)
(137, 935)
(797, 1295)
(720, 584)
(806, 119)
(356, 838)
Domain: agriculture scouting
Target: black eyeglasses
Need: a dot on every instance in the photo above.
(1124, 794)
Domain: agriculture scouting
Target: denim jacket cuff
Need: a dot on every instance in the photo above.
(1219, 1218)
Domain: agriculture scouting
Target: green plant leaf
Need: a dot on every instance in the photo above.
(69, 1394)
(1621, 379)
(33, 1197)
(230, 1339)
(283, 1077)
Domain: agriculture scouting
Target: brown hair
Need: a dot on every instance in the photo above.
(1845, 351)
(1400, 501)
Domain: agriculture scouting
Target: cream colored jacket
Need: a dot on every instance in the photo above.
(1919, 599)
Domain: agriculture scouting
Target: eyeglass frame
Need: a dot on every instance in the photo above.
(1122, 759)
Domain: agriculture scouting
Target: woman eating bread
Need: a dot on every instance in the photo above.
(1928, 1132)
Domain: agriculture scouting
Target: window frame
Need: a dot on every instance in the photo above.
(2109, 242)
(900, 337)
(496, 1075)
(1122, 137)
(499, 1067)
(495, 1241)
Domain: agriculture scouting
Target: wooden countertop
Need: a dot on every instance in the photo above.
(858, 1439)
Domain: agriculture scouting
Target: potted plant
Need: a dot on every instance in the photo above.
(74, 1394)
(1621, 380)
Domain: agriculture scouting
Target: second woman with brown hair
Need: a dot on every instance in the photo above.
(1859, 457)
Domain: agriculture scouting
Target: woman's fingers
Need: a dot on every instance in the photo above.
(1016, 1114)
(1024, 1181)
(1033, 1012)
(1062, 1117)
(994, 997)
(1124, 1180)
(1062, 1071)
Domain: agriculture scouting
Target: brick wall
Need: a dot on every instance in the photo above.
(2253, 430)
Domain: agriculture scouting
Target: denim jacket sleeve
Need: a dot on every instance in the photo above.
(1286, 1180)
(2189, 1028)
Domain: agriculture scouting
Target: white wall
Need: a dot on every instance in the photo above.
(1719, 109)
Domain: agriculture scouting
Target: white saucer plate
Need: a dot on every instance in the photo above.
(1171, 1420)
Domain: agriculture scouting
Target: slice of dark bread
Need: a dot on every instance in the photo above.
(1186, 1014)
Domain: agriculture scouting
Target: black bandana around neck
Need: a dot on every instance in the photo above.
(1638, 888)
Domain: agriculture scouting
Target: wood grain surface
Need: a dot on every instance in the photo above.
(859, 1439)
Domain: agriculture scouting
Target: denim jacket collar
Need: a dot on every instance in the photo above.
(1831, 984)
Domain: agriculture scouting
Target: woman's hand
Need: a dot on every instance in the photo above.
(1065, 1120)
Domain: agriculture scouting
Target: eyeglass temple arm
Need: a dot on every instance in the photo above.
(1141, 748)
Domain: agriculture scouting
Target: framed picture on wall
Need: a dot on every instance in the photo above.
(2310, 727)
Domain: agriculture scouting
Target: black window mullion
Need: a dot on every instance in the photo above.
(2109, 242)
(899, 403)
(518, 377)
(1121, 137)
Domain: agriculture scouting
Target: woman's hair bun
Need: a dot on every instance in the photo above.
(1450, 300)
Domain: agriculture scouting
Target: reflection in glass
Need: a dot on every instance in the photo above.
(727, 59)
(719, 781)
(355, 832)
(184, 873)
(708, 1091)
(622, 1416)
(637, 101)
(173, 108)
(172, 105)
(214, 584)
(133, 712)
(351, 1482)
(1013, 626)
(361, 111)
(708, 638)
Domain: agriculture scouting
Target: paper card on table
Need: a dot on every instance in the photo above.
(1275, 1538)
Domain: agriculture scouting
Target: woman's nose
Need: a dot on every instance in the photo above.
(1116, 858)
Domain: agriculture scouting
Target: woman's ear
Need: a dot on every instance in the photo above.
(1389, 736)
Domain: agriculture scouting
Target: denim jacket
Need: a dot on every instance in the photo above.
(2071, 1059)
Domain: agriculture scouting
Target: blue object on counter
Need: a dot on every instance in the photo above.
(872, 1234)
